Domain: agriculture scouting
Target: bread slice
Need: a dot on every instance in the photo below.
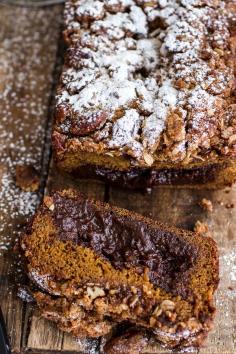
(97, 265)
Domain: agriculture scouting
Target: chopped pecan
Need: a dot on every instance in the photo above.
(58, 141)
(61, 113)
(95, 292)
(167, 305)
(175, 128)
(84, 125)
(48, 201)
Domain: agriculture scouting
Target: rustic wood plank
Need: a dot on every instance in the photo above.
(71, 344)
(42, 335)
(175, 206)
(181, 207)
(28, 46)
(11, 306)
(56, 181)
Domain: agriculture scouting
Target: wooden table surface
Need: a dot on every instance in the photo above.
(29, 47)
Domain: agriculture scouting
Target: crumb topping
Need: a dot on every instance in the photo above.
(162, 73)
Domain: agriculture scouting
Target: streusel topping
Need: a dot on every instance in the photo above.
(149, 78)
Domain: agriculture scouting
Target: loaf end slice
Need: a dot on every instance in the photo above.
(96, 266)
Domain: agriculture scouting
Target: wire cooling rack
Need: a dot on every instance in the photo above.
(31, 3)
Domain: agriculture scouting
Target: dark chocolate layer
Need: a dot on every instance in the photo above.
(147, 178)
(125, 242)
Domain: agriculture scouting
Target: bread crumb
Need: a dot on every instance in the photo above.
(202, 228)
(229, 205)
(207, 205)
(27, 178)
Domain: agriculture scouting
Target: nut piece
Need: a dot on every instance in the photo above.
(133, 290)
(95, 292)
(207, 205)
(82, 126)
(210, 113)
(152, 321)
(171, 315)
(193, 324)
(232, 139)
(148, 159)
(133, 301)
(48, 201)
(167, 305)
(123, 307)
(157, 312)
(175, 128)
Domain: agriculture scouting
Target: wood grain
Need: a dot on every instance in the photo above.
(28, 47)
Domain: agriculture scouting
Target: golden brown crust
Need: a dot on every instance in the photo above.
(170, 104)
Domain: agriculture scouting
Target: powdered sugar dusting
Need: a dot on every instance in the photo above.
(125, 130)
(153, 59)
(228, 267)
(24, 95)
(39, 280)
(90, 8)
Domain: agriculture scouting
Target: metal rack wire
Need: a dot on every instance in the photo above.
(31, 3)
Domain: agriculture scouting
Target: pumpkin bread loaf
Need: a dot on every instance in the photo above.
(147, 92)
(96, 266)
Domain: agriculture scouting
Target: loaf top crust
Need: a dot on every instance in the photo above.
(149, 80)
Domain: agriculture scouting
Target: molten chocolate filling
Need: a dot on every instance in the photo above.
(147, 178)
(127, 243)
